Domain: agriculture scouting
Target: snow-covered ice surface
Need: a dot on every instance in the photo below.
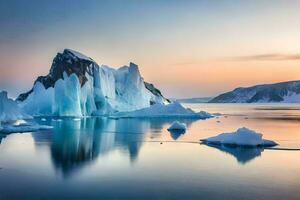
(10, 110)
(22, 128)
(241, 137)
(174, 109)
(176, 125)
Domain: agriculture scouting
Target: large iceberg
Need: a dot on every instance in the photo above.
(241, 137)
(173, 109)
(10, 110)
(77, 86)
(177, 129)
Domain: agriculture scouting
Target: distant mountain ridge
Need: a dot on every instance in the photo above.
(287, 92)
(195, 100)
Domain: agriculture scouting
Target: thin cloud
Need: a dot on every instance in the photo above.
(255, 57)
(267, 57)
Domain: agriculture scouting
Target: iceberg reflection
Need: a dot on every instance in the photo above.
(175, 134)
(77, 143)
(242, 154)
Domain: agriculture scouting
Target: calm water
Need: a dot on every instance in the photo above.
(137, 158)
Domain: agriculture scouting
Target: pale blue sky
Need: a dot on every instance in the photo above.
(187, 48)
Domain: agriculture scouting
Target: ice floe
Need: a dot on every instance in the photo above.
(241, 137)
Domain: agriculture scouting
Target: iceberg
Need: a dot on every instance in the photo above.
(10, 110)
(11, 117)
(77, 86)
(173, 109)
(176, 125)
(241, 137)
(177, 129)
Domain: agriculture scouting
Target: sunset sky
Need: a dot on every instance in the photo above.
(186, 48)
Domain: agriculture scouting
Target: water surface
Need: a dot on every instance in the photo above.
(91, 158)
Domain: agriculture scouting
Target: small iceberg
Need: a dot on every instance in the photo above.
(56, 120)
(22, 128)
(241, 137)
(177, 129)
(176, 125)
(12, 117)
(10, 110)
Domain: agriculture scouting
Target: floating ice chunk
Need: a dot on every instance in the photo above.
(56, 120)
(176, 125)
(174, 109)
(21, 128)
(10, 110)
(43, 119)
(19, 122)
(177, 129)
(242, 137)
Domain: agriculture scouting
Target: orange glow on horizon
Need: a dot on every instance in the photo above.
(221, 76)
